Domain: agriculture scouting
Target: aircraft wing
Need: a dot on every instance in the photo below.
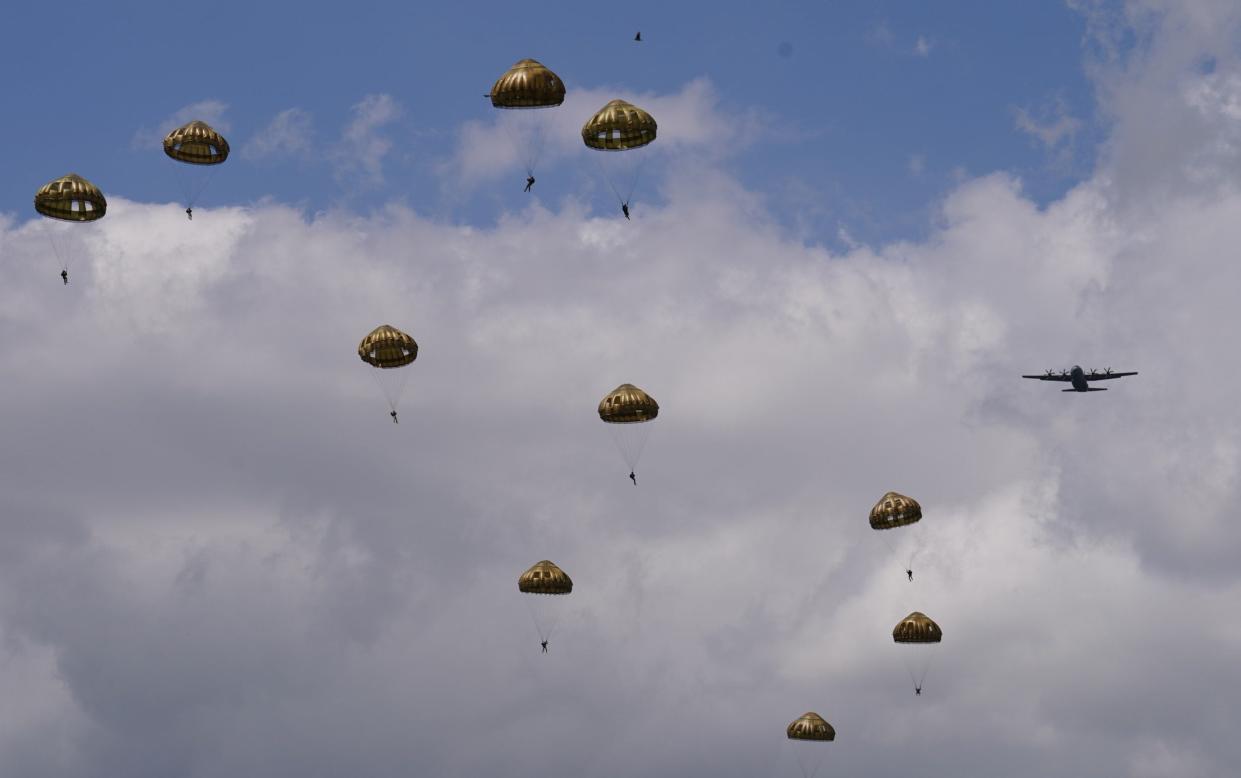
(1052, 377)
(1105, 376)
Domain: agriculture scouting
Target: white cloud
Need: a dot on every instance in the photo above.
(289, 133)
(923, 46)
(359, 157)
(1054, 127)
(880, 35)
(690, 121)
(210, 111)
(235, 475)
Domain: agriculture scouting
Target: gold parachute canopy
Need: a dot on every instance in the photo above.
(895, 510)
(917, 628)
(528, 84)
(619, 126)
(811, 726)
(196, 143)
(627, 404)
(545, 578)
(387, 347)
(71, 198)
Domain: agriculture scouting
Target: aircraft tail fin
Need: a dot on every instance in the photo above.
(1091, 389)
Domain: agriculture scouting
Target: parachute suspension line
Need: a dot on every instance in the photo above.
(61, 256)
(913, 554)
(545, 616)
(204, 182)
(918, 667)
(630, 438)
(627, 172)
(604, 174)
(510, 131)
(527, 134)
(193, 181)
(809, 763)
(891, 543)
(638, 167)
(537, 143)
(392, 386)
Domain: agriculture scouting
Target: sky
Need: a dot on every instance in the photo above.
(860, 224)
(870, 111)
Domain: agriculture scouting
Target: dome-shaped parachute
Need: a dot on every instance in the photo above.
(202, 149)
(69, 198)
(626, 409)
(197, 144)
(917, 634)
(387, 348)
(545, 578)
(806, 733)
(526, 86)
(894, 511)
(620, 126)
(917, 628)
(811, 726)
(627, 404)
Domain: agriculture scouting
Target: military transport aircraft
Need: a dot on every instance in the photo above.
(1079, 378)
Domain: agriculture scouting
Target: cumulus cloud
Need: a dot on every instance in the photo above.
(691, 121)
(210, 111)
(880, 34)
(289, 133)
(359, 157)
(219, 557)
(1052, 126)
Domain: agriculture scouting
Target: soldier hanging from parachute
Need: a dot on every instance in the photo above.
(548, 583)
(894, 511)
(524, 92)
(68, 199)
(389, 350)
(201, 148)
(807, 733)
(623, 131)
(627, 411)
(918, 634)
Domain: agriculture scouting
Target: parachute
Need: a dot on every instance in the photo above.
(523, 89)
(894, 511)
(806, 732)
(388, 349)
(917, 634)
(626, 410)
(69, 198)
(620, 127)
(545, 578)
(202, 149)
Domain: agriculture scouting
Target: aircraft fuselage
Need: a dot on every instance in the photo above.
(1077, 377)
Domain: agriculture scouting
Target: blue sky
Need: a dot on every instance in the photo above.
(871, 110)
